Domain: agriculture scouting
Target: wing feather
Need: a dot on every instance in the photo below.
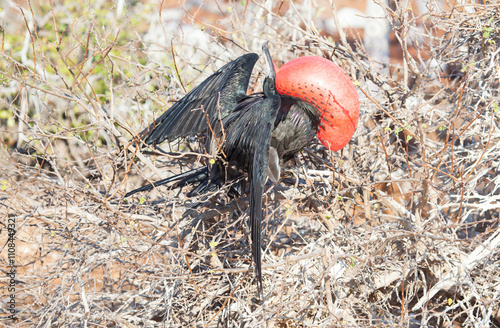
(248, 140)
(225, 88)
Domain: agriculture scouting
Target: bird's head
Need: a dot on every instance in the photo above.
(324, 85)
(268, 87)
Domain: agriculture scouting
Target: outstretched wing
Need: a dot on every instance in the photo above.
(225, 88)
(248, 138)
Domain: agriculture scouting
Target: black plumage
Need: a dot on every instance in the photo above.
(216, 97)
(254, 132)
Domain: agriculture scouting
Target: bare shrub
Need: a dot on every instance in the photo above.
(398, 229)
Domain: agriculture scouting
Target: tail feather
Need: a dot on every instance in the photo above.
(189, 177)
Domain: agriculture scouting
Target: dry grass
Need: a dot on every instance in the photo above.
(406, 232)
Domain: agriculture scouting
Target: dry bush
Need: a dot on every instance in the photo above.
(403, 233)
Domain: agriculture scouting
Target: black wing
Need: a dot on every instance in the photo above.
(186, 178)
(225, 88)
(248, 138)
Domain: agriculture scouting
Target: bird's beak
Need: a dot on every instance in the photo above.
(269, 61)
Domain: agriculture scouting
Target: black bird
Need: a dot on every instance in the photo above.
(307, 96)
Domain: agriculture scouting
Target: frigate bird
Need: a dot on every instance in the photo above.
(307, 97)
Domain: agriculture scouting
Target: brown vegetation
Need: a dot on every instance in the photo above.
(401, 228)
